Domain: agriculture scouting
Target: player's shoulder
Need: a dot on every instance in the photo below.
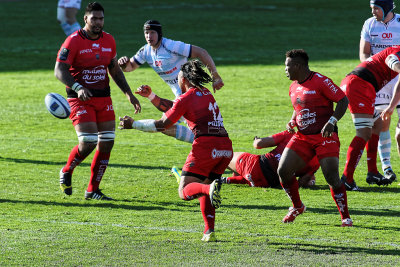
(108, 36)
(396, 18)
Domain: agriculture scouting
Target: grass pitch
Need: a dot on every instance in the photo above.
(148, 224)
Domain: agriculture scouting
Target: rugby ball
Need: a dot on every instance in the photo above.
(57, 105)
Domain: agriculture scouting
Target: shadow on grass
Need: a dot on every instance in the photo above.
(86, 164)
(327, 249)
(98, 204)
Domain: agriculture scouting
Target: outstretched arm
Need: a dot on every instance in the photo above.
(119, 78)
(263, 142)
(145, 125)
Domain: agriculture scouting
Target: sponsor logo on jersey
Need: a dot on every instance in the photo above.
(63, 54)
(305, 118)
(331, 85)
(313, 92)
(103, 49)
(166, 72)
(174, 81)
(319, 75)
(81, 112)
(328, 142)
(361, 104)
(199, 93)
(221, 153)
(299, 88)
(387, 35)
(94, 75)
(95, 46)
(85, 51)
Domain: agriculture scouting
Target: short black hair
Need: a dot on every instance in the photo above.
(298, 54)
(94, 6)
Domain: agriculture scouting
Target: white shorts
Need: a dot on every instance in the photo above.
(384, 96)
(70, 3)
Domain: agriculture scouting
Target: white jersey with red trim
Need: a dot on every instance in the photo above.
(166, 60)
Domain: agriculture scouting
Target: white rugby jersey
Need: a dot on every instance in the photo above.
(166, 60)
(381, 35)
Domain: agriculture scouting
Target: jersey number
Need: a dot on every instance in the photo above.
(214, 107)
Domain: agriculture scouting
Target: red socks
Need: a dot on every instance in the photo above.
(98, 168)
(73, 160)
(340, 197)
(195, 190)
(292, 190)
(354, 154)
(208, 212)
(372, 153)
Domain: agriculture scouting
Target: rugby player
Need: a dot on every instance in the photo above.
(83, 63)
(379, 32)
(211, 149)
(312, 96)
(166, 56)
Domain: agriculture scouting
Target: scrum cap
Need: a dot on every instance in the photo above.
(155, 26)
(385, 5)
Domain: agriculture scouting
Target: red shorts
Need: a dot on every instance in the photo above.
(307, 146)
(97, 109)
(248, 166)
(209, 154)
(361, 94)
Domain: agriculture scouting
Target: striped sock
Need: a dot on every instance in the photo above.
(184, 134)
(384, 147)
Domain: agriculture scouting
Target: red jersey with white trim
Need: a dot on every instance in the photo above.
(313, 102)
(89, 60)
(201, 112)
(377, 66)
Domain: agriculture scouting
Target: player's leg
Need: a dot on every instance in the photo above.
(330, 169)
(180, 132)
(100, 160)
(86, 130)
(290, 163)
(237, 178)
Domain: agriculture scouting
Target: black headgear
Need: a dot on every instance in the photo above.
(155, 26)
(385, 5)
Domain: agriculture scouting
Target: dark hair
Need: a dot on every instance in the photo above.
(299, 55)
(154, 25)
(193, 71)
(94, 6)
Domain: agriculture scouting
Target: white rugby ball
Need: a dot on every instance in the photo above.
(57, 105)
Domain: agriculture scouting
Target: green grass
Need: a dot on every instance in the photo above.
(149, 224)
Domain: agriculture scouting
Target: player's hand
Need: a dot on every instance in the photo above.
(123, 61)
(290, 126)
(217, 82)
(386, 113)
(143, 90)
(84, 94)
(125, 122)
(256, 142)
(327, 130)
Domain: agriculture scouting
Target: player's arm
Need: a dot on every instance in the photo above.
(160, 103)
(145, 125)
(292, 123)
(340, 110)
(61, 71)
(365, 50)
(263, 142)
(127, 64)
(119, 78)
(204, 56)
(393, 62)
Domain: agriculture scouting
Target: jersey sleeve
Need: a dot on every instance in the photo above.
(282, 137)
(365, 31)
(178, 47)
(331, 91)
(68, 50)
(178, 109)
(140, 57)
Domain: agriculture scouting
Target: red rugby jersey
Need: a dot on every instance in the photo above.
(377, 66)
(313, 102)
(201, 112)
(89, 60)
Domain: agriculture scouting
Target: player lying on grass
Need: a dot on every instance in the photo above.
(261, 170)
(211, 149)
